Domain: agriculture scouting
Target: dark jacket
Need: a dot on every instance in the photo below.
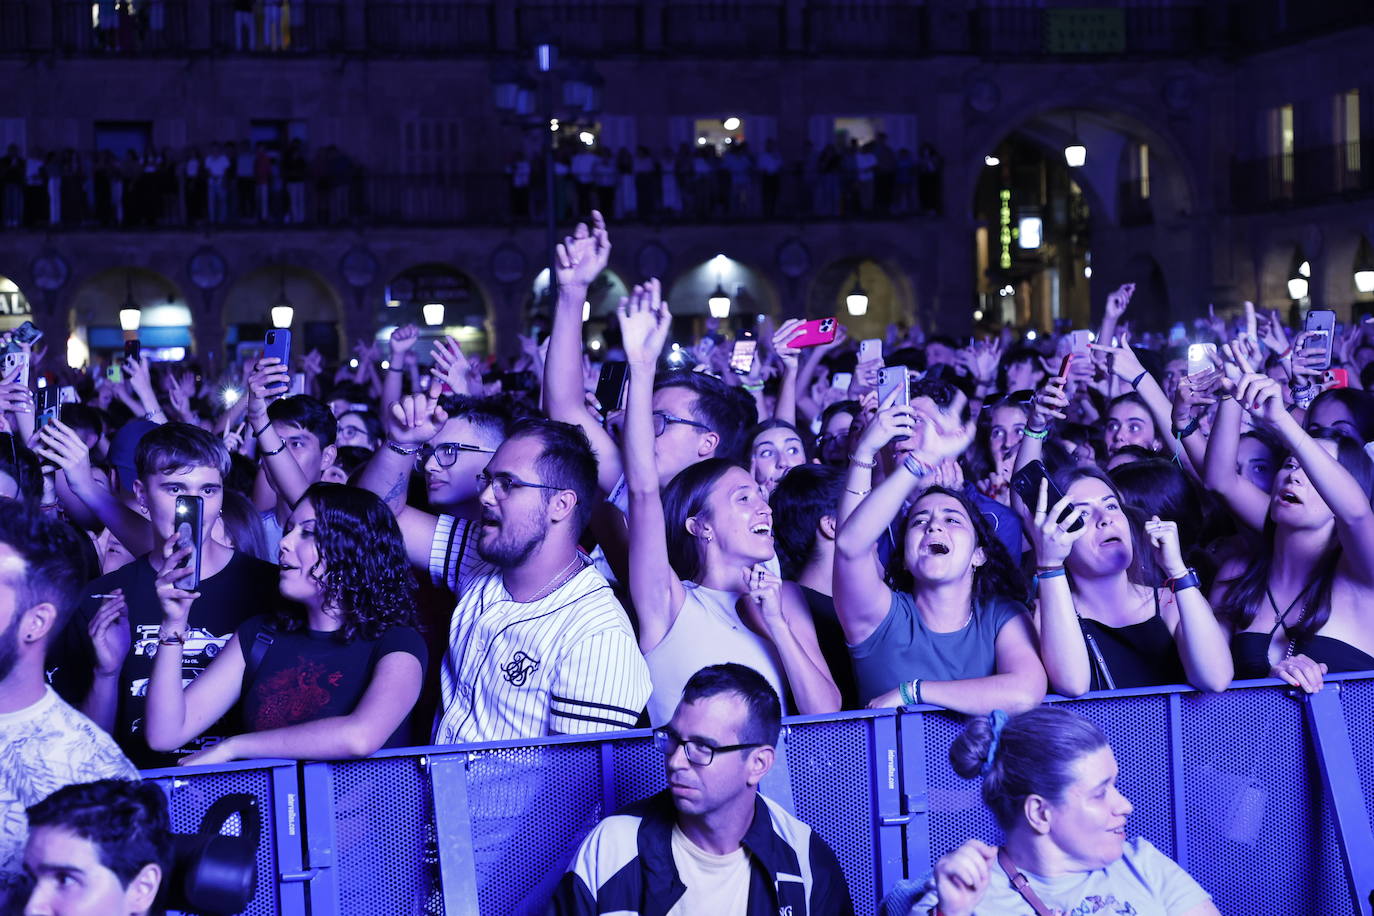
(626, 865)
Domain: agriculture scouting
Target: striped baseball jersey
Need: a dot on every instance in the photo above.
(565, 664)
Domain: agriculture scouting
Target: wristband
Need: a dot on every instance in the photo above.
(1136, 381)
(395, 369)
(257, 433)
(757, 386)
(1188, 430)
(916, 689)
(402, 450)
(916, 468)
(859, 492)
(1036, 433)
(276, 451)
(867, 465)
(1187, 580)
(904, 693)
(1053, 572)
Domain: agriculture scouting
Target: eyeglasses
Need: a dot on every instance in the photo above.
(446, 453)
(698, 753)
(661, 421)
(501, 484)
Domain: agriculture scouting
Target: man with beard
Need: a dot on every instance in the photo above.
(45, 744)
(538, 644)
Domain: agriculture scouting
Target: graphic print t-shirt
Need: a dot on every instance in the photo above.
(308, 674)
(246, 586)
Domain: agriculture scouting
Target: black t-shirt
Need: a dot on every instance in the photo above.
(830, 637)
(310, 674)
(246, 586)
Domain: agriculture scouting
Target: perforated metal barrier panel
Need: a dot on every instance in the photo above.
(1230, 785)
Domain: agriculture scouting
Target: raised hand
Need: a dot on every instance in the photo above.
(1263, 397)
(176, 601)
(60, 444)
(1164, 539)
(450, 365)
(1118, 300)
(937, 434)
(1049, 403)
(111, 635)
(402, 340)
(416, 418)
(892, 421)
(581, 257)
(644, 323)
(790, 356)
(270, 379)
(312, 364)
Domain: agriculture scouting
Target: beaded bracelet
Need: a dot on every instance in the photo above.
(1036, 433)
(866, 465)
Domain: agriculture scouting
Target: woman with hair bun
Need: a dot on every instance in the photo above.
(1049, 778)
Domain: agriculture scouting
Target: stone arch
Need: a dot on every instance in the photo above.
(96, 301)
(1275, 269)
(15, 305)
(318, 310)
(467, 312)
(692, 286)
(889, 290)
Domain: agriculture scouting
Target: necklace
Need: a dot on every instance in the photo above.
(553, 584)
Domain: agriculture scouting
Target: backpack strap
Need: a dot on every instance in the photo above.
(258, 651)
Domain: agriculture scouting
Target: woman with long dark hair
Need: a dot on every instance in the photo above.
(1104, 622)
(700, 552)
(1300, 606)
(332, 673)
(944, 626)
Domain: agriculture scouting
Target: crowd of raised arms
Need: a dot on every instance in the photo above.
(407, 555)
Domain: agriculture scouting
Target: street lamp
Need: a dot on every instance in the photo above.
(1075, 154)
(1298, 283)
(719, 303)
(130, 315)
(434, 314)
(1364, 268)
(282, 311)
(857, 300)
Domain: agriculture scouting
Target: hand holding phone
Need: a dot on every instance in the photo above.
(188, 519)
(894, 378)
(610, 387)
(813, 333)
(870, 349)
(1027, 482)
(742, 356)
(1321, 326)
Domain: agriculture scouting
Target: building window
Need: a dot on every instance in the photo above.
(1346, 119)
(719, 132)
(1280, 141)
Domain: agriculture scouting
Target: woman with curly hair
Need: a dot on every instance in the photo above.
(334, 673)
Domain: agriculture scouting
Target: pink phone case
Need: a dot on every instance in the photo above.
(815, 332)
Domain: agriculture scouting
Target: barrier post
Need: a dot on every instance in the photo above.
(1341, 788)
(888, 802)
(448, 775)
(1176, 782)
(911, 741)
(321, 838)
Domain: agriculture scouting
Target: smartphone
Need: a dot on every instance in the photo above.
(66, 394)
(894, 378)
(47, 404)
(870, 349)
(1335, 378)
(1079, 341)
(841, 381)
(815, 332)
(26, 333)
(190, 512)
(297, 384)
(18, 359)
(133, 349)
(1026, 484)
(610, 387)
(1200, 357)
(278, 344)
(1322, 325)
(742, 356)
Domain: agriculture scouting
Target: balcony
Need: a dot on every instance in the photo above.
(348, 195)
(307, 27)
(845, 27)
(14, 26)
(403, 27)
(155, 27)
(1324, 174)
(602, 28)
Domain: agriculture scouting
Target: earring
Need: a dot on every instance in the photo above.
(706, 538)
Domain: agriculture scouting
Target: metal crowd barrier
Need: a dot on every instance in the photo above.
(1264, 795)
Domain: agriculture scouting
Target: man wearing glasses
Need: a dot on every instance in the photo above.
(709, 843)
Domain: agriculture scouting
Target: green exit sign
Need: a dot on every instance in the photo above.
(1085, 31)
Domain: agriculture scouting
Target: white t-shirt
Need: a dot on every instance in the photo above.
(707, 631)
(1143, 882)
(44, 747)
(565, 664)
(718, 885)
(217, 164)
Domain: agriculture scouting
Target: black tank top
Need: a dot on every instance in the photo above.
(1138, 655)
(1335, 654)
(1250, 654)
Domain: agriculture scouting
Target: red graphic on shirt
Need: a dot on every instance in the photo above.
(293, 695)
